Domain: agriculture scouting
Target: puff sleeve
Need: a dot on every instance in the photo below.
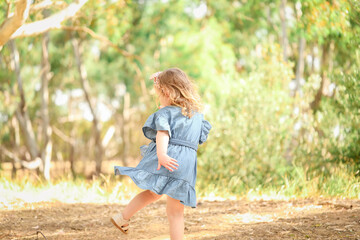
(205, 129)
(154, 123)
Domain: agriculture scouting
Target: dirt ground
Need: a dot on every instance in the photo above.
(230, 219)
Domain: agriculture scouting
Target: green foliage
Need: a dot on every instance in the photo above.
(263, 139)
(346, 108)
(249, 136)
(323, 19)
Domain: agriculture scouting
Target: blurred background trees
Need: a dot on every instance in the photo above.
(280, 81)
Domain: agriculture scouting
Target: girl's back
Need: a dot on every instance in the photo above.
(185, 135)
(169, 162)
(179, 126)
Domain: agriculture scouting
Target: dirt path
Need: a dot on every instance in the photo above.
(306, 219)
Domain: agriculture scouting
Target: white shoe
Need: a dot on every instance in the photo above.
(119, 222)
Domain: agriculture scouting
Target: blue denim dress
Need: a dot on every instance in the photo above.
(185, 136)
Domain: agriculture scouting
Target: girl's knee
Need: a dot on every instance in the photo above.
(174, 213)
(154, 195)
(174, 209)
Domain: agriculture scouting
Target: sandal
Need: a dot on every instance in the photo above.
(119, 222)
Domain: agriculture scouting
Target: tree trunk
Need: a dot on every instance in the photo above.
(86, 88)
(72, 153)
(17, 144)
(72, 143)
(299, 74)
(324, 65)
(125, 130)
(70, 140)
(284, 39)
(313, 57)
(46, 133)
(21, 112)
(300, 65)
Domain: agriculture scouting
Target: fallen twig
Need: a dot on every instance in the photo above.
(37, 235)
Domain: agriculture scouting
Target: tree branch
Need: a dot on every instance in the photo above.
(29, 165)
(14, 21)
(52, 22)
(102, 39)
(8, 8)
(63, 136)
(45, 4)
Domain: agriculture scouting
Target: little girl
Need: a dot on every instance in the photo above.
(169, 162)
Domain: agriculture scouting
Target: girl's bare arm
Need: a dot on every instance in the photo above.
(162, 142)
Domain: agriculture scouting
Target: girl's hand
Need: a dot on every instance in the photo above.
(167, 162)
(162, 139)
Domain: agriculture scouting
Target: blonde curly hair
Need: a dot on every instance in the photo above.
(180, 90)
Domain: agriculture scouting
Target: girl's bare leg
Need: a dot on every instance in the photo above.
(138, 202)
(175, 214)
